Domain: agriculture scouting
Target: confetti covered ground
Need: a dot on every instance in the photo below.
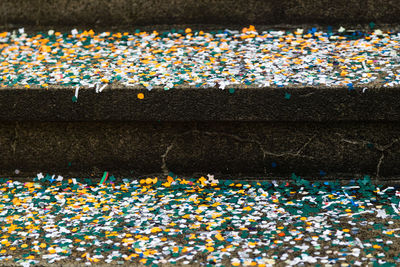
(203, 221)
(186, 57)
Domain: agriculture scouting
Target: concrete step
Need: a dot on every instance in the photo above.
(253, 132)
(189, 104)
(241, 131)
(227, 12)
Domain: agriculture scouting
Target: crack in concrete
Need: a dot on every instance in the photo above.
(307, 95)
(264, 151)
(379, 147)
(164, 167)
(164, 156)
(283, 154)
(306, 144)
(378, 166)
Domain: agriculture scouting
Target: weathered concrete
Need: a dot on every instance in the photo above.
(316, 104)
(226, 12)
(339, 132)
(243, 149)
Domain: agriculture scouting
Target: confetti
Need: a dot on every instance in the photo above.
(176, 58)
(104, 178)
(198, 221)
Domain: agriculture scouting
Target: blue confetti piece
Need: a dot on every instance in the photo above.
(273, 164)
(350, 86)
(322, 173)
(287, 95)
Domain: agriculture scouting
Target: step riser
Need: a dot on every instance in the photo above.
(226, 148)
(318, 104)
(147, 12)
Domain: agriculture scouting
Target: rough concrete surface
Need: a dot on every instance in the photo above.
(223, 148)
(146, 12)
(185, 130)
(197, 104)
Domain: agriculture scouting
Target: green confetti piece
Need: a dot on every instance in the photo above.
(103, 179)
(372, 25)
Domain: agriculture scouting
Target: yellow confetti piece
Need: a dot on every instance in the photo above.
(252, 244)
(29, 185)
(203, 181)
(156, 230)
(210, 249)
(219, 237)
(140, 95)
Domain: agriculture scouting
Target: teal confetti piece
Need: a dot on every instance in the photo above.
(105, 175)
(372, 25)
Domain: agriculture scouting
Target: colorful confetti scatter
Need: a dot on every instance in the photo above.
(199, 59)
(205, 221)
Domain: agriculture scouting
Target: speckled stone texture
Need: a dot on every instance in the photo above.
(240, 149)
(330, 130)
(315, 104)
(225, 12)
